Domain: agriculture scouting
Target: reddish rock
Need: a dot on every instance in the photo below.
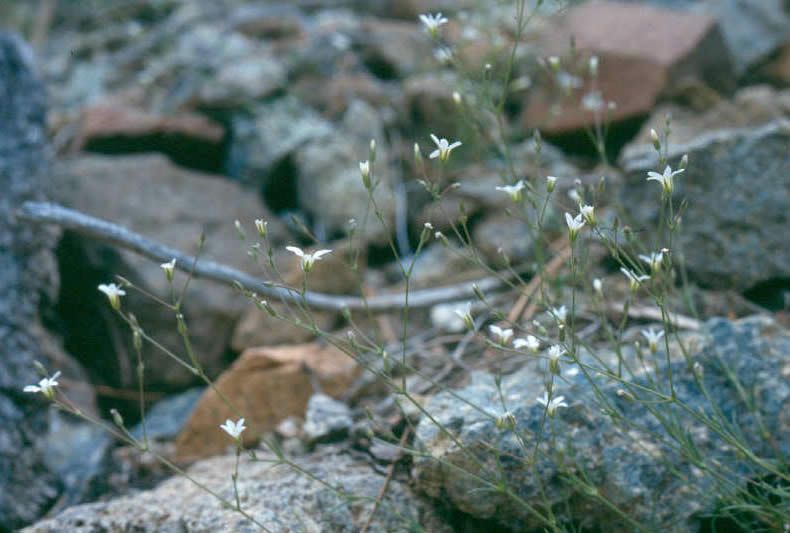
(644, 52)
(115, 128)
(266, 385)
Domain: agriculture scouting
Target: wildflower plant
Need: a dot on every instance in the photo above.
(556, 320)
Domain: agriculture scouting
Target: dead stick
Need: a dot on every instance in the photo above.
(551, 268)
(102, 230)
(654, 313)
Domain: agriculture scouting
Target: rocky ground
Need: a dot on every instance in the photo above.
(176, 118)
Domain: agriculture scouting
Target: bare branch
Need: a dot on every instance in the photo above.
(102, 230)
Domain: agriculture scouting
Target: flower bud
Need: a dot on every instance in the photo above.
(551, 182)
(598, 286)
(655, 140)
(262, 226)
(117, 418)
(240, 230)
(505, 421)
(364, 170)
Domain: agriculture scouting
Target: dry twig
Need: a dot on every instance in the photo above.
(102, 230)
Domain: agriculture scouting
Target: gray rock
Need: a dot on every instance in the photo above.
(280, 498)
(501, 236)
(330, 186)
(151, 196)
(78, 451)
(274, 131)
(167, 417)
(229, 69)
(752, 29)
(28, 280)
(326, 418)
(622, 458)
(734, 231)
(751, 106)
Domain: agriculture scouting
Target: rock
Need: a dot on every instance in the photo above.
(752, 29)
(232, 69)
(438, 265)
(643, 53)
(275, 131)
(78, 451)
(645, 477)
(259, 328)
(331, 275)
(394, 49)
(187, 138)
(778, 69)
(28, 281)
(429, 101)
(154, 198)
(326, 419)
(167, 417)
(738, 193)
(750, 106)
(266, 385)
(243, 80)
(330, 186)
(281, 499)
(503, 239)
(333, 96)
(276, 21)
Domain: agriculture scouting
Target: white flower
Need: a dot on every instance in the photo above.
(531, 343)
(364, 170)
(443, 148)
(307, 259)
(443, 55)
(502, 335)
(465, 313)
(654, 260)
(551, 182)
(432, 22)
(234, 429)
(574, 224)
(514, 191)
(634, 280)
(262, 226)
(652, 336)
(664, 179)
(46, 386)
(598, 286)
(593, 101)
(588, 213)
(169, 267)
(114, 293)
(559, 313)
(555, 352)
(553, 404)
(568, 81)
(593, 64)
